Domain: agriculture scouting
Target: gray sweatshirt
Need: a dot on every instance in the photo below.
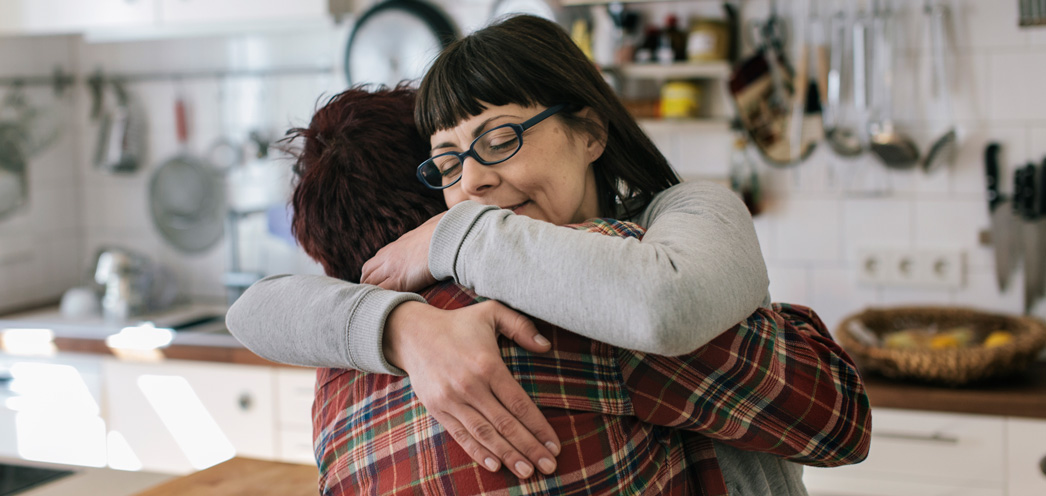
(697, 271)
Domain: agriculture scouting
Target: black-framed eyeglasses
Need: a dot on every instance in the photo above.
(492, 147)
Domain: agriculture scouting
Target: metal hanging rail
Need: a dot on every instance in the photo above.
(60, 80)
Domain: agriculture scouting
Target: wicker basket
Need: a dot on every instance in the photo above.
(955, 366)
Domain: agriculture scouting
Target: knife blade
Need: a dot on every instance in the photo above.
(1003, 220)
(1025, 205)
(1040, 210)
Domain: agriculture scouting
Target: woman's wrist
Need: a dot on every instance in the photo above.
(397, 333)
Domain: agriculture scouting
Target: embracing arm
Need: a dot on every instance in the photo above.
(776, 383)
(698, 270)
(316, 321)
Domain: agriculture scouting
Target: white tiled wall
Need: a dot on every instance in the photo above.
(40, 243)
(819, 214)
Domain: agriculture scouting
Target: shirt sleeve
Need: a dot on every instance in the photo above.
(698, 270)
(776, 383)
(316, 321)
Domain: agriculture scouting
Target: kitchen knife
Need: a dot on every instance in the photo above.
(1003, 220)
(1025, 203)
(1040, 210)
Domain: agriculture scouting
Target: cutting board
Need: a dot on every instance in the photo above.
(243, 477)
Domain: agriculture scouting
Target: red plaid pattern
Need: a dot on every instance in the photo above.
(630, 423)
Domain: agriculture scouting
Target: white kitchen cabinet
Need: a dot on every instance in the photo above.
(72, 16)
(1025, 457)
(50, 409)
(173, 12)
(180, 416)
(295, 390)
(920, 454)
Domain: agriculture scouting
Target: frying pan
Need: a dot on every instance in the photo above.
(187, 196)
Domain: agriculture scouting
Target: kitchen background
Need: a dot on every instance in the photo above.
(248, 70)
(820, 216)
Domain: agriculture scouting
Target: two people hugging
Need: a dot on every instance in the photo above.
(654, 363)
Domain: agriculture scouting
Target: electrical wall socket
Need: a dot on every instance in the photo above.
(943, 269)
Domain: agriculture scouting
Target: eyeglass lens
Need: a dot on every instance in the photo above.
(495, 145)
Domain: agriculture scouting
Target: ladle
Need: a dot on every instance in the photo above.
(843, 140)
(894, 149)
(943, 148)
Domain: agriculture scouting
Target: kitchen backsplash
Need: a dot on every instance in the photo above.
(819, 214)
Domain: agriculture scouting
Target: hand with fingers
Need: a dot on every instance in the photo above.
(403, 265)
(457, 372)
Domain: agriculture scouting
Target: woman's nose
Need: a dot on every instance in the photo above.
(476, 178)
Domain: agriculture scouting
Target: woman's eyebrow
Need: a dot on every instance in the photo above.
(478, 130)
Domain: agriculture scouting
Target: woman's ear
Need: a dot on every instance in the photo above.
(595, 141)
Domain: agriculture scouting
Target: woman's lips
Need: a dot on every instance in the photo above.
(516, 208)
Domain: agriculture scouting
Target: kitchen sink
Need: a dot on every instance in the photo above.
(209, 324)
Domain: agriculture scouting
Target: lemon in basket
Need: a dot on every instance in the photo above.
(998, 338)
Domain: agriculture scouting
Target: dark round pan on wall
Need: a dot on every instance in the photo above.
(396, 40)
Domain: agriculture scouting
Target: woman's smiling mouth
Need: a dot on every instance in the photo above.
(517, 207)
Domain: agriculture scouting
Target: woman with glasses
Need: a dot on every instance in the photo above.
(526, 136)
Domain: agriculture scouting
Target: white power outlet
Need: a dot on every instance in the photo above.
(924, 268)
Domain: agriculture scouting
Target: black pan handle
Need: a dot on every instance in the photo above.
(1024, 192)
(1041, 190)
(991, 174)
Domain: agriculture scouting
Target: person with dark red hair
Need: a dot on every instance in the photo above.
(717, 386)
(373, 435)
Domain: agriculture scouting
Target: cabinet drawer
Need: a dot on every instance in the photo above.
(295, 389)
(911, 449)
(949, 446)
(1026, 457)
(296, 446)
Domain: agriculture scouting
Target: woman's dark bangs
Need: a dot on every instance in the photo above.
(463, 80)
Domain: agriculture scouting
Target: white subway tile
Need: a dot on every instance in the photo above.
(1037, 144)
(979, 24)
(968, 171)
(876, 222)
(982, 291)
(807, 230)
(1016, 83)
(789, 284)
(954, 224)
(836, 295)
(892, 296)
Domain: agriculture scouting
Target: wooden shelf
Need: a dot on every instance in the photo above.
(680, 70)
(697, 125)
(574, 3)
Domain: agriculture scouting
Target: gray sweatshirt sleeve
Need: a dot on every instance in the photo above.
(316, 321)
(697, 271)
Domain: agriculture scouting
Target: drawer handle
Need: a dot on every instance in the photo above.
(245, 401)
(936, 437)
(1042, 465)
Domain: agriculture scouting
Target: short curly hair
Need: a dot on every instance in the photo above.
(356, 187)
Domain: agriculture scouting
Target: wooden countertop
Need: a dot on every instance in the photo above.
(243, 477)
(1017, 396)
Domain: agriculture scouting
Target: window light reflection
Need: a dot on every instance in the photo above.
(28, 341)
(187, 419)
(44, 387)
(144, 336)
(121, 456)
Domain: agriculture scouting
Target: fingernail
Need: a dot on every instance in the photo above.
(542, 340)
(553, 447)
(547, 466)
(491, 463)
(523, 469)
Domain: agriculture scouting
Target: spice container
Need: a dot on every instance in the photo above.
(709, 40)
(680, 99)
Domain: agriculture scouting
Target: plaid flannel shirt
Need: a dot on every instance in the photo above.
(629, 422)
